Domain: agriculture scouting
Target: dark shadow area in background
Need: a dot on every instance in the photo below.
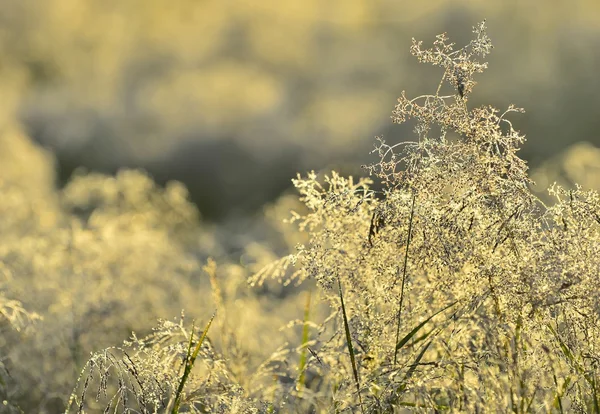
(226, 180)
(223, 180)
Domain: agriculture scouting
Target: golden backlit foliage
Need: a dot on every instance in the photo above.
(83, 266)
(452, 288)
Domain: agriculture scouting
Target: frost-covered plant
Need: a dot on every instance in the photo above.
(15, 320)
(457, 287)
(174, 370)
(154, 374)
(98, 258)
(450, 286)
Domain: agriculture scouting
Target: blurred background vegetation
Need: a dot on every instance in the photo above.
(234, 97)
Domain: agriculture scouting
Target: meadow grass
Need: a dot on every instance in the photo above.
(440, 283)
(453, 288)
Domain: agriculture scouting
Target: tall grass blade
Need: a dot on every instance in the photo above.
(563, 347)
(410, 222)
(590, 379)
(414, 365)
(416, 329)
(595, 393)
(305, 336)
(350, 348)
(559, 393)
(409, 374)
(190, 358)
(528, 408)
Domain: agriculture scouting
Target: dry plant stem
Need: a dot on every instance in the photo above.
(410, 222)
